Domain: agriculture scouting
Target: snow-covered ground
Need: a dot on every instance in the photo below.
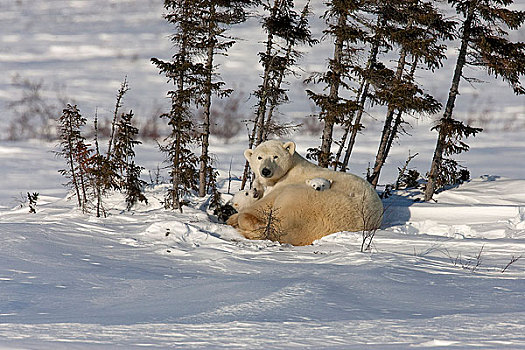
(152, 278)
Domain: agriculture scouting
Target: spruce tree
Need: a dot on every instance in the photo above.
(341, 18)
(355, 26)
(286, 29)
(75, 151)
(124, 157)
(101, 173)
(483, 43)
(181, 71)
(383, 21)
(125, 142)
(124, 88)
(217, 17)
(372, 72)
(420, 31)
(134, 185)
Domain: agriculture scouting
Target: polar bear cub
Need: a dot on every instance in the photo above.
(244, 199)
(319, 183)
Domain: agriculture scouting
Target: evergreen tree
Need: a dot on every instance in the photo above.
(341, 18)
(285, 29)
(482, 44)
(124, 155)
(124, 88)
(377, 82)
(101, 173)
(183, 72)
(125, 143)
(421, 27)
(32, 198)
(356, 26)
(105, 171)
(134, 185)
(217, 17)
(75, 151)
(373, 73)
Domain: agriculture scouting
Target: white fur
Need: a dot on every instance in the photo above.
(304, 215)
(319, 183)
(243, 199)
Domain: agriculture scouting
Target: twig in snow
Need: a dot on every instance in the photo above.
(513, 259)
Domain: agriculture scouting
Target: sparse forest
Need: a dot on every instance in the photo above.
(359, 75)
(377, 49)
(92, 174)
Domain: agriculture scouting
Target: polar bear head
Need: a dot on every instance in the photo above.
(271, 160)
(319, 183)
(244, 199)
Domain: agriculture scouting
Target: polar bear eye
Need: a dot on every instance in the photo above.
(275, 157)
(259, 157)
(246, 194)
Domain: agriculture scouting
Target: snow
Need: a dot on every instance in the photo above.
(153, 278)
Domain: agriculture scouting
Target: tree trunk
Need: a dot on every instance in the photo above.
(257, 133)
(398, 120)
(258, 124)
(388, 127)
(275, 101)
(268, 67)
(447, 115)
(176, 175)
(348, 127)
(330, 112)
(204, 166)
(263, 98)
(374, 50)
(72, 164)
(176, 121)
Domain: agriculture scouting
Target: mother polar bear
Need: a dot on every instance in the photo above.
(291, 211)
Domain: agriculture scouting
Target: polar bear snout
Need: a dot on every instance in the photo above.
(265, 172)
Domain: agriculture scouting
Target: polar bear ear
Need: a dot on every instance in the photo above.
(248, 154)
(290, 147)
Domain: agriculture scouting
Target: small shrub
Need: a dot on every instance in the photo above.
(32, 198)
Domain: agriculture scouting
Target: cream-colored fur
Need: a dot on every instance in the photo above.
(299, 214)
(243, 199)
(319, 183)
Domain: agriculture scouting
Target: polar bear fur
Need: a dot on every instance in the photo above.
(319, 184)
(301, 215)
(243, 199)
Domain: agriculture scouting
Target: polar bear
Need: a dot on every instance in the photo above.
(244, 198)
(319, 183)
(297, 213)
